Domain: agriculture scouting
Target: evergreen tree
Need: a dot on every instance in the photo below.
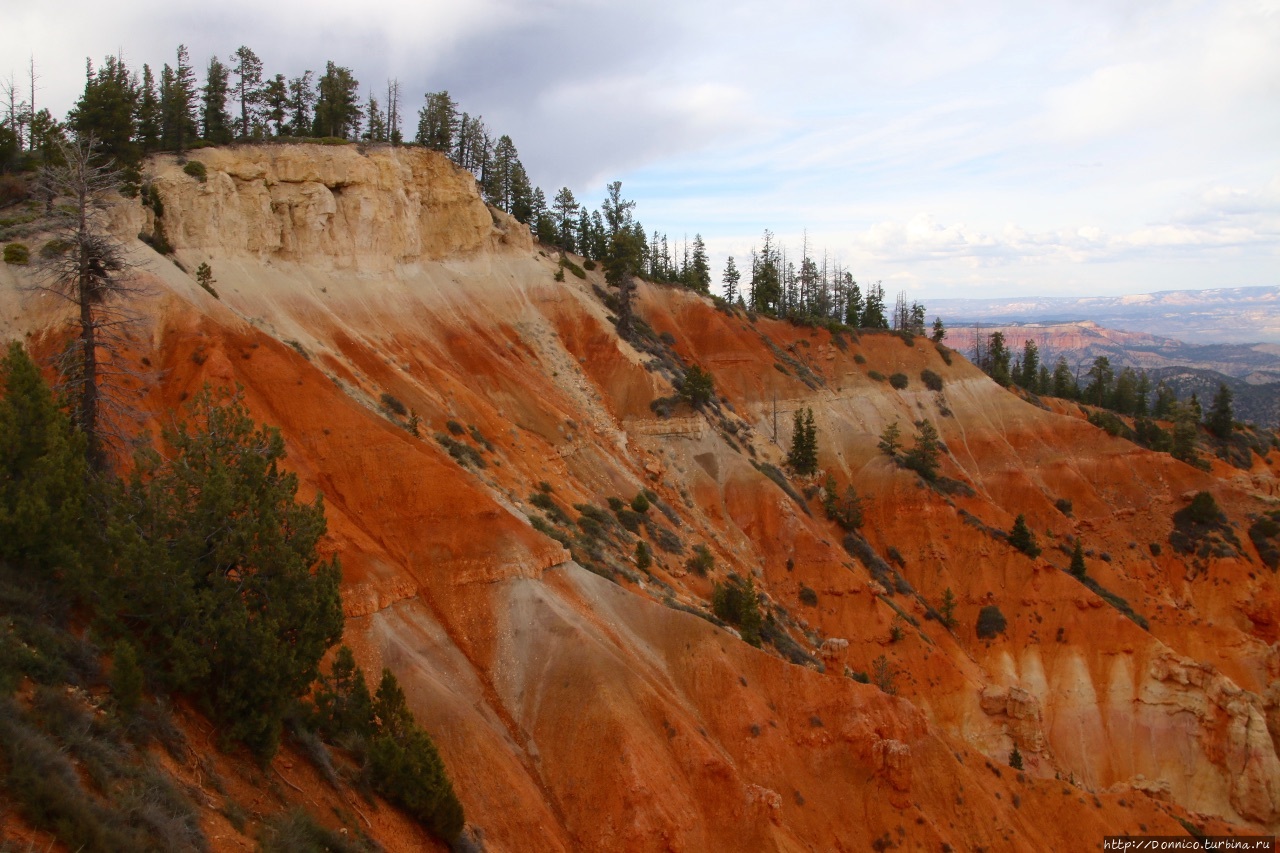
(947, 610)
(803, 456)
(148, 115)
(873, 316)
(1185, 434)
(406, 767)
(1124, 395)
(342, 701)
(699, 268)
(1142, 395)
(889, 440)
(730, 280)
(178, 103)
(43, 497)
(438, 123)
(217, 567)
(565, 206)
(248, 70)
(1022, 538)
(1077, 560)
(1030, 369)
(1064, 383)
(643, 558)
(105, 113)
(998, 357)
(939, 331)
(855, 307)
(274, 101)
(376, 126)
(1165, 404)
(337, 108)
(766, 282)
(214, 120)
(1098, 391)
(1015, 758)
(302, 99)
(923, 457)
(1221, 419)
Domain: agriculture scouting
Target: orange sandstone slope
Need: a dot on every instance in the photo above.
(590, 708)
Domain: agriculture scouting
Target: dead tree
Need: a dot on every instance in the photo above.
(86, 265)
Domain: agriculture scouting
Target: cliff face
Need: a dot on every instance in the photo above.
(579, 702)
(331, 207)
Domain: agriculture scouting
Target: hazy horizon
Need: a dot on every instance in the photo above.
(1070, 149)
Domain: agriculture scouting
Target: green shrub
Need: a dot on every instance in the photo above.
(899, 381)
(640, 503)
(454, 427)
(196, 169)
(17, 254)
(1064, 506)
(991, 622)
(945, 352)
(547, 504)
(876, 375)
(808, 597)
(392, 403)
(589, 264)
(701, 562)
(54, 248)
(931, 380)
(859, 358)
(296, 831)
(642, 557)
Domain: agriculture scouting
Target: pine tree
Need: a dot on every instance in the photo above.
(216, 569)
(803, 456)
(406, 767)
(699, 268)
(248, 70)
(1022, 538)
(105, 113)
(1221, 418)
(43, 497)
(889, 441)
(178, 103)
(643, 557)
(873, 316)
(947, 610)
(275, 104)
(1077, 560)
(342, 701)
(730, 279)
(438, 123)
(302, 99)
(214, 120)
(565, 207)
(1064, 383)
(939, 331)
(923, 457)
(148, 114)
(1015, 758)
(998, 358)
(1098, 391)
(337, 109)
(855, 307)
(1030, 367)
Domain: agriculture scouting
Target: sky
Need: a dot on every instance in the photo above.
(985, 149)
